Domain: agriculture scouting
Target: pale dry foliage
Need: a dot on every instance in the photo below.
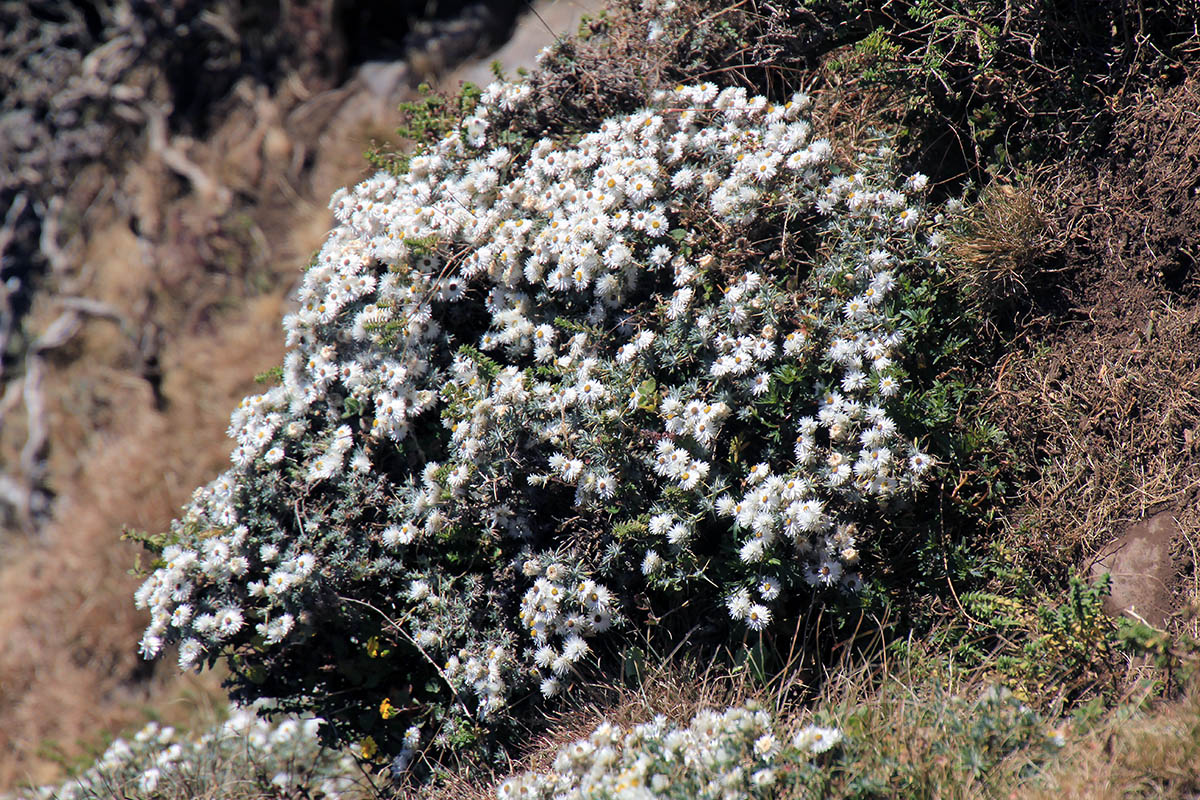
(1154, 754)
(908, 713)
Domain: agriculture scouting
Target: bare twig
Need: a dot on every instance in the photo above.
(177, 161)
(35, 414)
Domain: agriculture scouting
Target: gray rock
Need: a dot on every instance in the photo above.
(1143, 576)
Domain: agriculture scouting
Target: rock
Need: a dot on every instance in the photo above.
(1142, 574)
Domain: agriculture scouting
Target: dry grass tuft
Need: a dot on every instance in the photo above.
(997, 254)
(933, 735)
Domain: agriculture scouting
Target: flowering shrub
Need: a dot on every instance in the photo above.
(732, 755)
(531, 382)
(243, 757)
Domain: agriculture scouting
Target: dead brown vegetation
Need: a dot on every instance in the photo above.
(1154, 755)
(1102, 390)
(997, 252)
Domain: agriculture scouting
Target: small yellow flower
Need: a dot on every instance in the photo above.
(386, 709)
(368, 748)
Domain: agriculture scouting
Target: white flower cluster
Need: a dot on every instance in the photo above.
(484, 675)
(509, 339)
(200, 623)
(551, 608)
(727, 755)
(815, 739)
(287, 755)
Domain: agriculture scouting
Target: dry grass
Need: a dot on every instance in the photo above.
(915, 735)
(916, 728)
(998, 250)
(1111, 417)
(69, 669)
(1100, 394)
(677, 690)
(1151, 754)
(912, 726)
